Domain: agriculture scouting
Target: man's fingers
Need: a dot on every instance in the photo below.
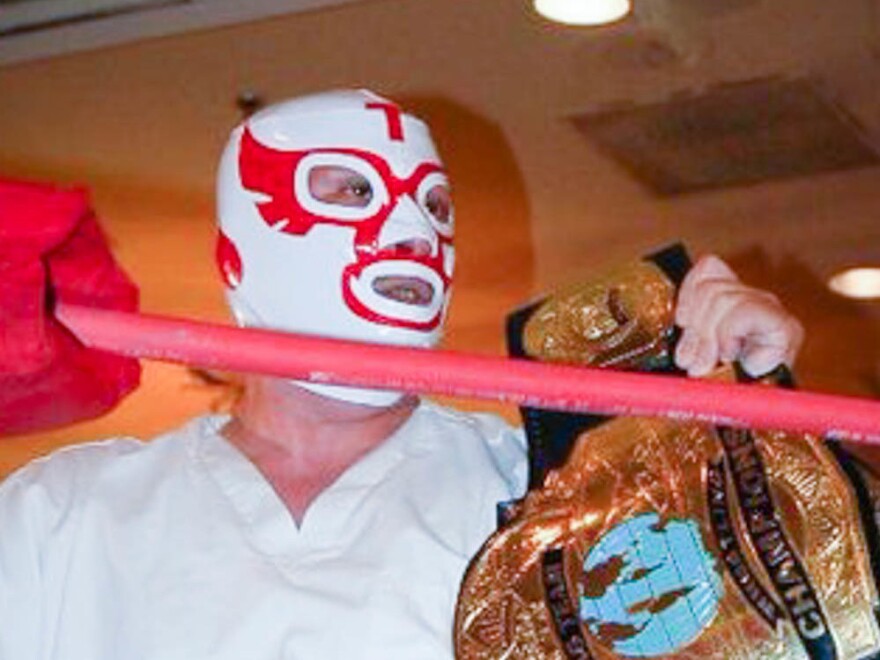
(686, 350)
(705, 356)
(724, 320)
(758, 361)
(708, 267)
(730, 347)
(760, 334)
(712, 302)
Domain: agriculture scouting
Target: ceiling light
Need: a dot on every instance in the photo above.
(863, 283)
(583, 12)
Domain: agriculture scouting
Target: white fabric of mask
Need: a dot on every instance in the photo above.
(335, 220)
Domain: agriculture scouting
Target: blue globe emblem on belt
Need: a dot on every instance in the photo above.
(649, 588)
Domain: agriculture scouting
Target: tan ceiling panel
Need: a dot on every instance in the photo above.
(731, 135)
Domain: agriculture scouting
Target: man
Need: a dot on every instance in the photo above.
(316, 521)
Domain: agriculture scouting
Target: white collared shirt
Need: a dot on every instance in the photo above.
(180, 549)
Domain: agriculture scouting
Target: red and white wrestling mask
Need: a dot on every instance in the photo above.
(336, 220)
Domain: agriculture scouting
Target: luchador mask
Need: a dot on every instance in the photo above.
(336, 220)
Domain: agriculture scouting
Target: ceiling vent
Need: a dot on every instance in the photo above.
(731, 135)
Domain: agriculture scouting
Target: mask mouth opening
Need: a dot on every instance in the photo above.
(396, 292)
(404, 289)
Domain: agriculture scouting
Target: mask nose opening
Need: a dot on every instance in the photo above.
(414, 247)
(408, 230)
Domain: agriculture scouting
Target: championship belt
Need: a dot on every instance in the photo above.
(655, 538)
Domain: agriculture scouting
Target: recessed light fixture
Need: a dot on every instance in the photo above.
(861, 283)
(583, 12)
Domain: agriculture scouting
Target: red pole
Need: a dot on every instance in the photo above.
(572, 388)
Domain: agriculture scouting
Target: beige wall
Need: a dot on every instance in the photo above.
(537, 205)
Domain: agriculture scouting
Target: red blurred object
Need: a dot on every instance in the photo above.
(539, 384)
(52, 250)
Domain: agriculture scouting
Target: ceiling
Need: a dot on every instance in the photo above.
(541, 201)
(34, 29)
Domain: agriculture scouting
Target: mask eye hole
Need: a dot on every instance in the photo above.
(439, 204)
(339, 185)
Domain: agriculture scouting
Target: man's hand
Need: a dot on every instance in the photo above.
(723, 320)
